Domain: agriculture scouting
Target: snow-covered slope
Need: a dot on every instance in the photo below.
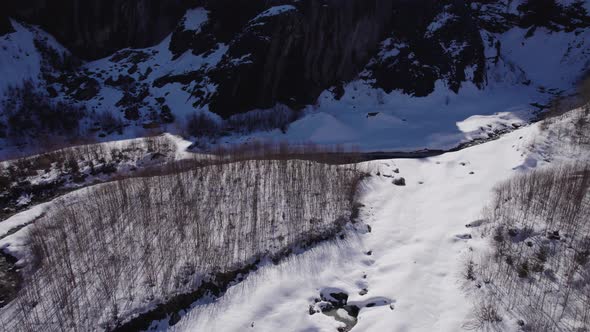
(409, 264)
(20, 56)
(283, 71)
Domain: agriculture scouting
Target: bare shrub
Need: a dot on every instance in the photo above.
(486, 314)
(109, 122)
(202, 125)
(260, 120)
(469, 272)
(282, 150)
(540, 224)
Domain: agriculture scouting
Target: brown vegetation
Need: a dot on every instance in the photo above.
(109, 252)
(540, 228)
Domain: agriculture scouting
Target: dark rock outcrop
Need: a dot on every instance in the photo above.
(553, 15)
(5, 25)
(227, 18)
(269, 52)
(97, 28)
(293, 55)
(442, 44)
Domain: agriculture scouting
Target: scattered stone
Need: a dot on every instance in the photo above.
(312, 310)
(352, 310)
(87, 89)
(338, 299)
(174, 319)
(132, 55)
(464, 236)
(335, 305)
(325, 306)
(476, 223)
(553, 235)
(122, 80)
(132, 70)
(399, 182)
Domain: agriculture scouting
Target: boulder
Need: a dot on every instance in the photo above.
(399, 182)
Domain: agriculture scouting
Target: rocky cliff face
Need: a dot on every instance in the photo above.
(444, 44)
(288, 56)
(290, 53)
(96, 28)
(308, 46)
(293, 51)
(233, 56)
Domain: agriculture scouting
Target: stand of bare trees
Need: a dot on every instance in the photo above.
(44, 176)
(104, 254)
(539, 268)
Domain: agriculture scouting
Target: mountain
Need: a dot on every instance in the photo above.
(467, 206)
(380, 74)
